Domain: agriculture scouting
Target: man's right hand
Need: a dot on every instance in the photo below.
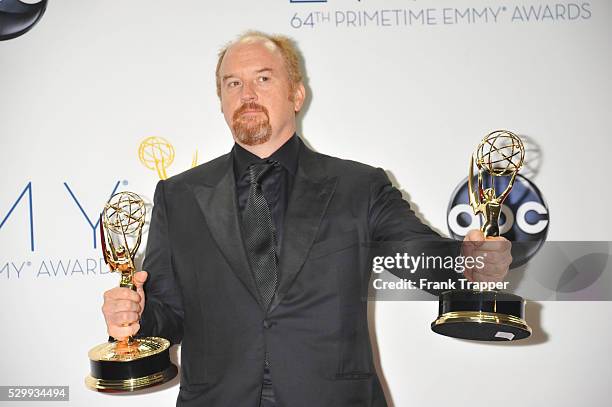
(123, 307)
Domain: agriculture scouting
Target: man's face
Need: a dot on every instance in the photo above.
(256, 93)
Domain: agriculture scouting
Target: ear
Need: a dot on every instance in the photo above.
(299, 95)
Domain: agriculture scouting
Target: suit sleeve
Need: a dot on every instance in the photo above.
(163, 312)
(395, 228)
(390, 217)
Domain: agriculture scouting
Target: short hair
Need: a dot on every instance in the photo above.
(284, 44)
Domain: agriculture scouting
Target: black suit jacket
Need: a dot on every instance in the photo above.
(201, 291)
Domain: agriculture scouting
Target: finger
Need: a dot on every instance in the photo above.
(475, 237)
(121, 293)
(123, 318)
(496, 244)
(116, 306)
(122, 332)
(492, 270)
(119, 332)
(493, 258)
(139, 278)
(124, 305)
(135, 328)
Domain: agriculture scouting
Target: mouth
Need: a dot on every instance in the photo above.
(250, 112)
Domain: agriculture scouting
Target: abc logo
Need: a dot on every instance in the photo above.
(524, 219)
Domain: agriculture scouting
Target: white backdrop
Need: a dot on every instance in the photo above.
(94, 78)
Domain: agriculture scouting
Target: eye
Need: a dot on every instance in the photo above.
(233, 83)
(263, 78)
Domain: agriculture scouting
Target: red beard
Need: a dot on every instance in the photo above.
(251, 129)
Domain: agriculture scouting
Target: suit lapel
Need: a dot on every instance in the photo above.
(311, 194)
(218, 204)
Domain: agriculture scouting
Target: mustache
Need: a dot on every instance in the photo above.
(249, 106)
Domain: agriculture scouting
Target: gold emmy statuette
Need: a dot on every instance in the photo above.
(487, 315)
(132, 363)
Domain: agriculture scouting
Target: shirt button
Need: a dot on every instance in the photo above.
(267, 323)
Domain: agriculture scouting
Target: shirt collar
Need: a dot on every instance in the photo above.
(286, 155)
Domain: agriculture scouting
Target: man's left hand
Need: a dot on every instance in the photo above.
(495, 252)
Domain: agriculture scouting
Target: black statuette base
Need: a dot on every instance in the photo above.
(481, 316)
(127, 376)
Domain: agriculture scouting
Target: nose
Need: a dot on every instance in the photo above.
(248, 93)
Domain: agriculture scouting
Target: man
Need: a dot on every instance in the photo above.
(254, 257)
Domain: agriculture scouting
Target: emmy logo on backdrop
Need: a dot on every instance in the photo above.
(487, 315)
(156, 153)
(131, 363)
